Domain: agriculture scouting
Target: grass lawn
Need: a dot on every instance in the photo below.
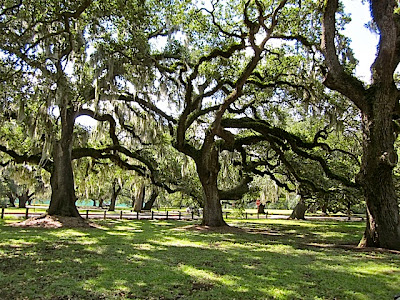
(263, 259)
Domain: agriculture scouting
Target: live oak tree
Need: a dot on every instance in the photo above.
(22, 183)
(378, 103)
(48, 81)
(210, 86)
(227, 70)
(214, 80)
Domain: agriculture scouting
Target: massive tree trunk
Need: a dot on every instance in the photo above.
(24, 197)
(376, 176)
(378, 104)
(261, 209)
(212, 211)
(324, 207)
(139, 201)
(207, 169)
(299, 211)
(62, 178)
(114, 194)
(149, 204)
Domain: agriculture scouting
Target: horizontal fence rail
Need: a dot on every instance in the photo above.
(165, 215)
(129, 215)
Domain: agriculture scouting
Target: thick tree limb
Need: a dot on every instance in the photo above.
(281, 139)
(388, 56)
(336, 77)
(35, 159)
(102, 118)
(237, 192)
(147, 105)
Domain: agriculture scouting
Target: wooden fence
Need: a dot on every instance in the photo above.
(123, 214)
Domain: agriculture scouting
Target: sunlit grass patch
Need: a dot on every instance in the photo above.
(261, 259)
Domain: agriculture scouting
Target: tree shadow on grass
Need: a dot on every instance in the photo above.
(170, 260)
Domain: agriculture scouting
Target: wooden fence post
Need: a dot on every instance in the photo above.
(105, 213)
(226, 215)
(179, 216)
(167, 214)
(152, 215)
(120, 215)
(87, 214)
(2, 212)
(27, 213)
(137, 215)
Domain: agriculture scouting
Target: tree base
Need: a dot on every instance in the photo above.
(365, 242)
(47, 221)
(214, 223)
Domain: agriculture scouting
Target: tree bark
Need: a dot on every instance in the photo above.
(149, 204)
(114, 194)
(11, 199)
(376, 176)
(63, 197)
(324, 207)
(378, 105)
(299, 211)
(212, 211)
(24, 198)
(261, 209)
(139, 201)
(207, 169)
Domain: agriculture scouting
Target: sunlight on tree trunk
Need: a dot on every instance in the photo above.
(299, 210)
(62, 178)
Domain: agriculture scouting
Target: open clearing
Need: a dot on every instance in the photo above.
(258, 259)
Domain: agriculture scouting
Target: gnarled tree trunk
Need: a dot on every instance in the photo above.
(11, 199)
(63, 197)
(207, 169)
(378, 103)
(114, 194)
(261, 209)
(324, 207)
(376, 176)
(139, 201)
(24, 198)
(149, 204)
(299, 210)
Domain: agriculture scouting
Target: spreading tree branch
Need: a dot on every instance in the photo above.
(336, 77)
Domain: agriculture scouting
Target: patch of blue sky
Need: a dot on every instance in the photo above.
(363, 41)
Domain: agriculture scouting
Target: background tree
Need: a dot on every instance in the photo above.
(47, 46)
(232, 70)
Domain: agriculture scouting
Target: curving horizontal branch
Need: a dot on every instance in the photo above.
(281, 140)
(101, 118)
(35, 159)
(237, 192)
(147, 105)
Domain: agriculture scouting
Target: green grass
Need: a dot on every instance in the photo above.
(268, 259)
